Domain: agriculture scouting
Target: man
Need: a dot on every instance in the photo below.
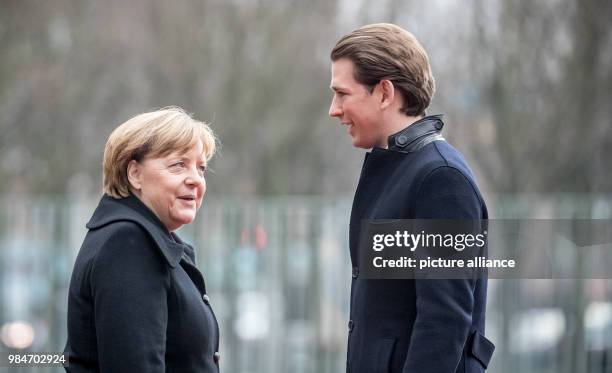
(382, 84)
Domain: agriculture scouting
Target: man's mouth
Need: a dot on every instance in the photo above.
(349, 126)
(187, 197)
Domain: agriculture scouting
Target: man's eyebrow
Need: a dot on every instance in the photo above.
(335, 88)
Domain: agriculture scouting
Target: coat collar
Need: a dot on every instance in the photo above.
(130, 208)
(417, 135)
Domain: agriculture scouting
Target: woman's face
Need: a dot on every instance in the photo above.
(172, 186)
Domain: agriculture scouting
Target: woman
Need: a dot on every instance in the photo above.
(137, 303)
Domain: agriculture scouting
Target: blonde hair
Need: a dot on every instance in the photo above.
(386, 51)
(157, 133)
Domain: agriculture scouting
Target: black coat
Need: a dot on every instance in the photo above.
(416, 326)
(136, 302)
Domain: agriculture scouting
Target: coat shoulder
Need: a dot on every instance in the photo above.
(126, 252)
(118, 243)
(441, 160)
(128, 233)
(124, 238)
(121, 246)
(432, 156)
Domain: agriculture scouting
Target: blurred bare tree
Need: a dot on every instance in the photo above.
(72, 71)
(526, 87)
(547, 90)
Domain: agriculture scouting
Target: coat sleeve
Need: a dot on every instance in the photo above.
(444, 307)
(129, 284)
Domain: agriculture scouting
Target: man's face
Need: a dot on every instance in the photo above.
(356, 107)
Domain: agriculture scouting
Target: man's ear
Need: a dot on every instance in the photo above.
(134, 174)
(387, 91)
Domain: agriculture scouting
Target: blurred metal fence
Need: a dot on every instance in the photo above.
(278, 275)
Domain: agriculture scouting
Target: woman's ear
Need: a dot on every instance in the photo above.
(134, 174)
(387, 93)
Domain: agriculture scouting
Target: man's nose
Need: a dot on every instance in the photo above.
(334, 109)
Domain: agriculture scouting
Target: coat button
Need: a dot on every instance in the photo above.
(401, 140)
(206, 299)
(355, 272)
(351, 325)
(217, 357)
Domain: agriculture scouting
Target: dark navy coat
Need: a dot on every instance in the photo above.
(136, 302)
(416, 326)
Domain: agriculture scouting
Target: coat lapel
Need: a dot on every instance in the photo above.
(130, 208)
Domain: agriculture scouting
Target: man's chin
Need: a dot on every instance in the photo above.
(361, 144)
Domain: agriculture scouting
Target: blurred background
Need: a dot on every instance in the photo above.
(525, 87)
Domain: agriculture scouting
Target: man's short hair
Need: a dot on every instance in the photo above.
(153, 134)
(386, 51)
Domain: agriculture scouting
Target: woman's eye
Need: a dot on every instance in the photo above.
(177, 164)
(202, 169)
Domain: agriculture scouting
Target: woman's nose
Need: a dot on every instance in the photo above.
(194, 177)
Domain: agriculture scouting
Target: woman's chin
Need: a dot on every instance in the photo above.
(183, 218)
(187, 219)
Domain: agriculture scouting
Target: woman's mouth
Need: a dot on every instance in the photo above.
(189, 199)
